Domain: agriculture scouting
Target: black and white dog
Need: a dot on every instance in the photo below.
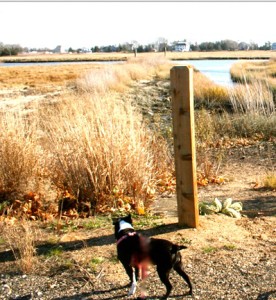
(136, 252)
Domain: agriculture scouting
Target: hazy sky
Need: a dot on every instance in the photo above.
(87, 24)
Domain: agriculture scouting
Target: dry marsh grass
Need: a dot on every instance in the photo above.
(119, 77)
(270, 180)
(90, 144)
(64, 57)
(18, 152)
(255, 98)
(21, 238)
(252, 54)
(99, 148)
(42, 78)
(207, 94)
(245, 72)
(95, 146)
(258, 54)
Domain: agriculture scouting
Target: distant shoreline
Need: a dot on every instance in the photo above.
(102, 57)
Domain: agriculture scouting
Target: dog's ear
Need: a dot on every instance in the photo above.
(128, 219)
(115, 220)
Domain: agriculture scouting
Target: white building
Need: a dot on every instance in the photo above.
(182, 46)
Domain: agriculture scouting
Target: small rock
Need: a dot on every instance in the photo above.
(39, 293)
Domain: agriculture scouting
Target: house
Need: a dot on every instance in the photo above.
(58, 49)
(273, 46)
(181, 46)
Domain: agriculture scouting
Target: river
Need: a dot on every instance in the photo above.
(216, 70)
(53, 63)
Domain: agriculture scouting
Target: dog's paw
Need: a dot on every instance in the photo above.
(132, 289)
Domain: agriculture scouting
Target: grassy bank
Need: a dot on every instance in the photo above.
(66, 57)
(253, 54)
(248, 72)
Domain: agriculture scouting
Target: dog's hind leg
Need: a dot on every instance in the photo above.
(164, 277)
(133, 284)
(179, 269)
(128, 270)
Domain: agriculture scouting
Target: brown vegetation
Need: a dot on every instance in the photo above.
(109, 145)
(89, 149)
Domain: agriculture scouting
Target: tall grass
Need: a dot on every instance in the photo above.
(90, 144)
(94, 145)
(119, 77)
(99, 145)
(21, 239)
(207, 94)
(215, 129)
(18, 153)
(255, 98)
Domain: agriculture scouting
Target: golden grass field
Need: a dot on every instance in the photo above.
(42, 77)
(253, 54)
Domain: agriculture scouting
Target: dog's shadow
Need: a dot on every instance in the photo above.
(266, 295)
(46, 248)
(91, 294)
(117, 296)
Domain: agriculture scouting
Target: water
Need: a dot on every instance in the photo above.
(216, 70)
(53, 63)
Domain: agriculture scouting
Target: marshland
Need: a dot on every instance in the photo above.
(80, 143)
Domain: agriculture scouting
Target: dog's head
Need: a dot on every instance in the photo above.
(122, 223)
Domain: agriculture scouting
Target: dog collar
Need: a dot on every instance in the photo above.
(125, 236)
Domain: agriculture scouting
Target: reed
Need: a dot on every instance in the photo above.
(94, 145)
(253, 98)
(209, 95)
(98, 145)
(119, 77)
(19, 154)
(21, 237)
(245, 72)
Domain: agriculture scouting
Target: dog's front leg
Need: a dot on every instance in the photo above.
(134, 283)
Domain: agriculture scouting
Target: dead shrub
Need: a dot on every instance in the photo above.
(100, 151)
(20, 237)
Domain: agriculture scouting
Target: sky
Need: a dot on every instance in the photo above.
(89, 24)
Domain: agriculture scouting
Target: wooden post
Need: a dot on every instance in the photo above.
(184, 145)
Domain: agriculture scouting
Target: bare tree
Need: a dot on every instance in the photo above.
(162, 44)
(135, 45)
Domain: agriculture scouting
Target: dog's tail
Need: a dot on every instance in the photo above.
(176, 248)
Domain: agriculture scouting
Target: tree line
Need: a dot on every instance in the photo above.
(160, 45)
(7, 50)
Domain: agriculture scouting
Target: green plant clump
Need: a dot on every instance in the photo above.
(226, 207)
